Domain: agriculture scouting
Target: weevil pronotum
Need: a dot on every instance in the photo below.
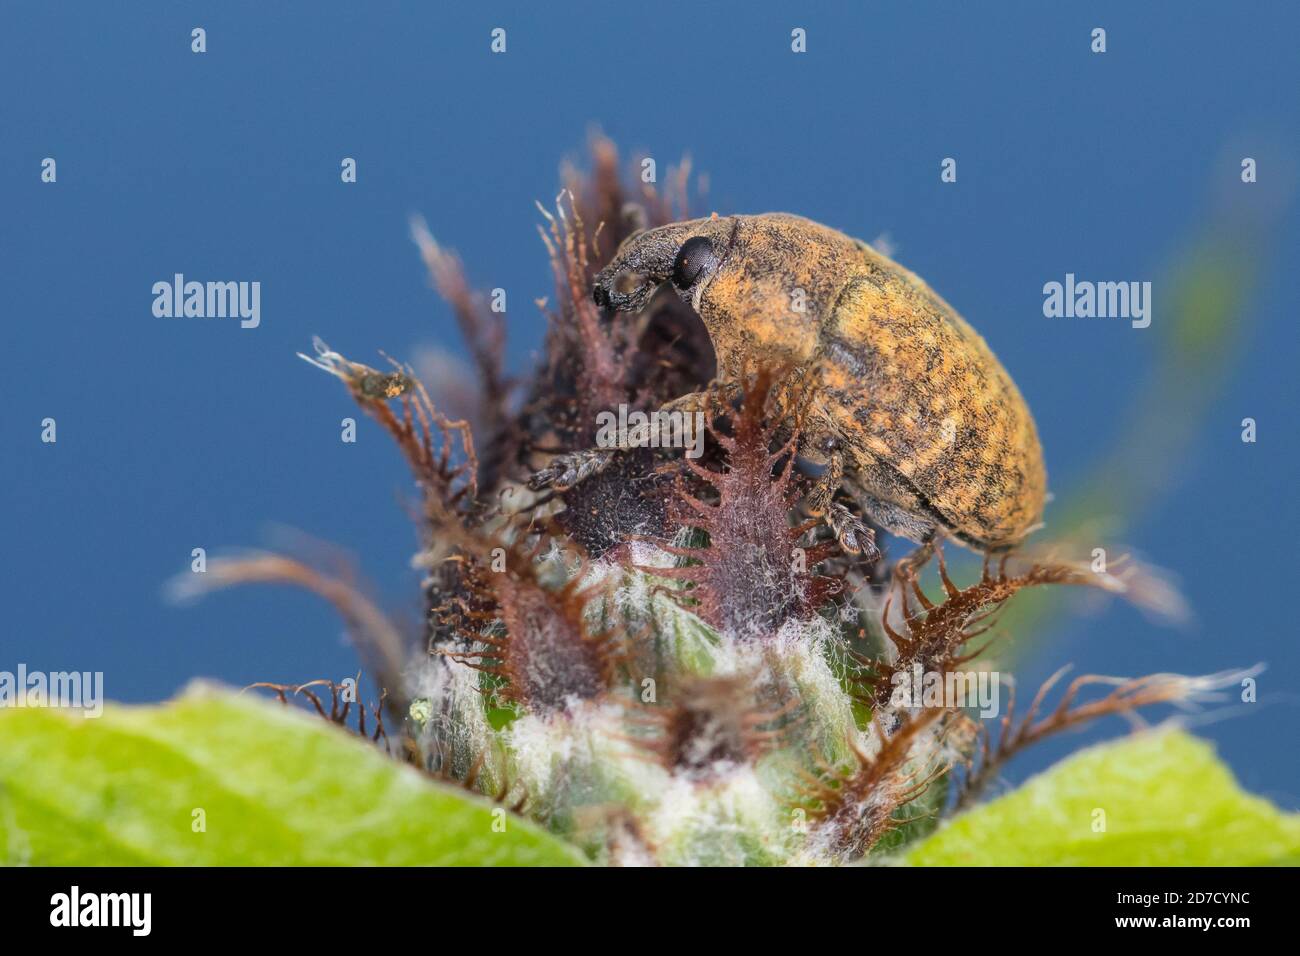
(909, 409)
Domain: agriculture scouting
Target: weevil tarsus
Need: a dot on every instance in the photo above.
(852, 533)
(572, 468)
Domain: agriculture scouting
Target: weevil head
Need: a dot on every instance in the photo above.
(687, 254)
(759, 283)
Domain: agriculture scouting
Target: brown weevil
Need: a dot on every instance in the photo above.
(909, 409)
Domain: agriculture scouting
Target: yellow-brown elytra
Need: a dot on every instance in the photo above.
(909, 408)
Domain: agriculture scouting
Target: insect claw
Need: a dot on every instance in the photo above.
(547, 477)
(571, 469)
(851, 533)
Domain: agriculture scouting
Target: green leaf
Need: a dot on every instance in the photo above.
(275, 786)
(1167, 800)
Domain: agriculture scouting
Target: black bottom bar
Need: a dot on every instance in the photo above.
(240, 904)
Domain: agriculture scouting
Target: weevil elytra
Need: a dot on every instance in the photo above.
(909, 409)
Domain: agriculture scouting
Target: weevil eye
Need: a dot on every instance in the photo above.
(695, 259)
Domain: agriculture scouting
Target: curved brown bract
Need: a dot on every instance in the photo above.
(934, 428)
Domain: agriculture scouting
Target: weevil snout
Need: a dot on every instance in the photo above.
(623, 291)
(639, 267)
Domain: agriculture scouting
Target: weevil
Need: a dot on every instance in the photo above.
(909, 409)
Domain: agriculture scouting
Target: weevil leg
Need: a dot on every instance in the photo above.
(571, 468)
(689, 403)
(852, 533)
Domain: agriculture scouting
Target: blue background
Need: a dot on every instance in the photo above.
(175, 434)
